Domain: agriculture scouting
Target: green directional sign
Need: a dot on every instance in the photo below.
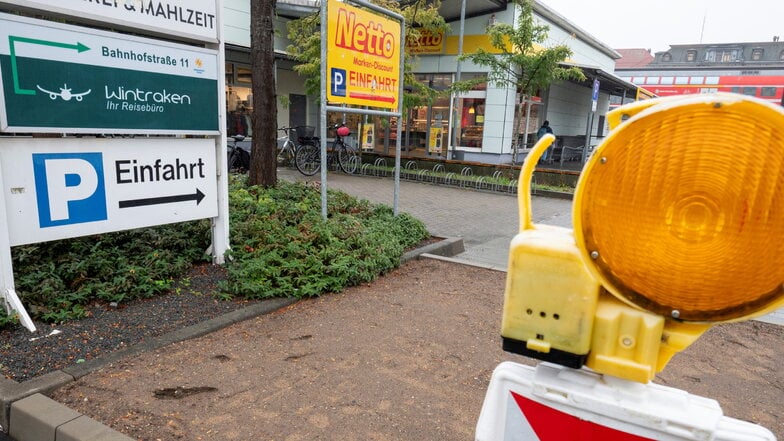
(60, 78)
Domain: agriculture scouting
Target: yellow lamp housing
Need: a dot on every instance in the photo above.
(678, 217)
(550, 296)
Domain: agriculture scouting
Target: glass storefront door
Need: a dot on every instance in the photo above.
(471, 113)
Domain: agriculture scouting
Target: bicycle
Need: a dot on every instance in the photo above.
(289, 149)
(238, 159)
(308, 156)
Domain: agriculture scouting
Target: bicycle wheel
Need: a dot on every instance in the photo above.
(286, 155)
(308, 159)
(348, 159)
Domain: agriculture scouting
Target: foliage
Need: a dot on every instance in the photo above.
(420, 16)
(519, 58)
(283, 247)
(60, 278)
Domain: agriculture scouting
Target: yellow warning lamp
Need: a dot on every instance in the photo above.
(678, 219)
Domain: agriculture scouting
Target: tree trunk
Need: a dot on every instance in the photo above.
(263, 158)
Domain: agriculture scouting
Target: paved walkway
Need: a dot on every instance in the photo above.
(486, 221)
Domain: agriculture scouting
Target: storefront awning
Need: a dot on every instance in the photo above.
(608, 82)
(450, 9)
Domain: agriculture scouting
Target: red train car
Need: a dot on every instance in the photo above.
(767, 85)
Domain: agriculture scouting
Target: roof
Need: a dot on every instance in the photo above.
(450, 9)
(632, 58)
(562, 22)
(608, 82)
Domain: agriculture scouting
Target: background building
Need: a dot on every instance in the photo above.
(477, 126)
(754, 69)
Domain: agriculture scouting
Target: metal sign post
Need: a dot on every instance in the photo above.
(361, 64)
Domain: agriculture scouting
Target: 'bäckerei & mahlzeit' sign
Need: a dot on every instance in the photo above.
(189, 19)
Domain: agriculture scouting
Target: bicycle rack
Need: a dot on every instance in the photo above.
(512, 186)
(356, 162)
(466, 172)
(422, 175)
(364, 169)
(480, 183)
(410, 167)
(449, 179)
(438, 168)
(496, 178)
(381, 166)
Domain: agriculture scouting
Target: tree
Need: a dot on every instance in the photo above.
(263, 158)
(520, 59)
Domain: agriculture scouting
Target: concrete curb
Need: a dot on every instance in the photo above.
(28, 415)
(449, 246)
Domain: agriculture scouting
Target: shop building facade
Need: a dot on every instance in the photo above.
(476, 126)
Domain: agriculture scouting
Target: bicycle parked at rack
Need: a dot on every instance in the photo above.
(308, 156)
(238, 159)
(287, 151)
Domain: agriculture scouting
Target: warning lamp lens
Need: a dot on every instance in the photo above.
(681, 210)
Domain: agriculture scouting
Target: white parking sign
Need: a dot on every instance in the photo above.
(61, 188)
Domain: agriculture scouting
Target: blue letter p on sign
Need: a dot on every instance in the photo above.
(70, 188)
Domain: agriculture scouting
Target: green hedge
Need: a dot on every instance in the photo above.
(281, 247)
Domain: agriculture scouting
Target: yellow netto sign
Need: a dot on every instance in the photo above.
(363, 57)
(427, 43)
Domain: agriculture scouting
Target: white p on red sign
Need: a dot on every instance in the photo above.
(66, 187)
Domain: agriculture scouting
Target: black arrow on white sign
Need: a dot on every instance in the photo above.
(198, 196)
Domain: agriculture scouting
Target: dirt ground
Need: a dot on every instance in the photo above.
(407, 357)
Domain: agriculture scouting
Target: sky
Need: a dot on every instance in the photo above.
(656, 24)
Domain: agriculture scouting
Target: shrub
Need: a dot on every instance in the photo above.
(281, 247)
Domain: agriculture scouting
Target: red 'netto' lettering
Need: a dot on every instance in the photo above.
(370, 39)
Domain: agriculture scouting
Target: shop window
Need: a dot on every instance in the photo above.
(471, 109)
(768, 92)
(438, 127)
(239, 101)
(751, 91)
(472, 122)
(244, 75)
(239, 105)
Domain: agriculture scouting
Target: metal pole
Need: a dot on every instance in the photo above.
(396, 197)
(455, 123)
(8, 298)
(220, 224)
(323, 111)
